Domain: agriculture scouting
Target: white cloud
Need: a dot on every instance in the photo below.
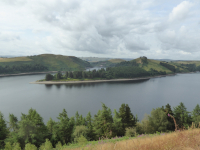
(181, 11)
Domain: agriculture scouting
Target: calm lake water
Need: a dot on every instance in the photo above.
(18, 96)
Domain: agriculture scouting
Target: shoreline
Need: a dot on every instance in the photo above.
(99, 81)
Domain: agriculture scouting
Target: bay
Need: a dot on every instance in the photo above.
(18, 96)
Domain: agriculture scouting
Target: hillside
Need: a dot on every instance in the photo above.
(154, 64)
(107, 63)
(168, 67)
(46, 62)
(181, 140)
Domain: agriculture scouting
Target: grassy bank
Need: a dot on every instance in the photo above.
(181, 140)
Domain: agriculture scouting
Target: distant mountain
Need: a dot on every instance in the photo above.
(97, 59)
(168, 60)
(50, 61)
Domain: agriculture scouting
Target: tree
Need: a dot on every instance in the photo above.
(78, 122)
(196, 114)
(58, 75)
(65, 127)
(66, 74)
(103, 122)
(32, 129)
(169, 111)
(53, 131)
(3, 130)
(127, 118)
(182, 116)
(91, 135)
(118, 125)
(48, 77)
(70, 74)
(13, 122)
(158, 120)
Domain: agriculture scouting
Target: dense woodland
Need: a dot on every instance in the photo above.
(22, 68)
(31, 128)
(108, 73)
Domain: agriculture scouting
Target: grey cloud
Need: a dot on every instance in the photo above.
(187, 41)
(135, 43)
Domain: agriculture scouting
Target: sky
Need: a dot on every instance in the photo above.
(157, 29)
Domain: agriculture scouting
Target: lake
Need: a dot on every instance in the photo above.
(18, 96)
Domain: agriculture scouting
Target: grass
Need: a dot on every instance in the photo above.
(116, 60)
(181, 140)
(15, 59)
(154, 64)
(188, 62)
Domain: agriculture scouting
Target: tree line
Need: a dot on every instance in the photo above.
(108, 73)
(22, 68)
(32, 130)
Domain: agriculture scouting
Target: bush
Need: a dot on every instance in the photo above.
(30, 146)
(8, 146)
(16, 146)
(46, 146)
(130, 132)
(80, 131)
(82, 140)
(59, 146)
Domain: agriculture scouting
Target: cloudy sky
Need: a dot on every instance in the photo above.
(101, 28)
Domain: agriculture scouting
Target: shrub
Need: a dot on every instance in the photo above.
(16, 146)
(80, 131)
(130, 132)
(82, 140)
(30, 146)
(8, 146)
(46, 146)
(59, 146)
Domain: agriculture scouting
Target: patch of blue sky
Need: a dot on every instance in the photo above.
(164, 8)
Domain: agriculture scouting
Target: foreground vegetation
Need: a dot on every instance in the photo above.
(44, 62)
(103, 128)
(181, 140)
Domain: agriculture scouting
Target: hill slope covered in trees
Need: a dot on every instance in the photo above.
(44, 62)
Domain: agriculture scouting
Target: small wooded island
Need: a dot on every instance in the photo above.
(137, 69)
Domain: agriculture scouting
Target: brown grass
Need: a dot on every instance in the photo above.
(181, 140)
(116, 60)
(15, 59)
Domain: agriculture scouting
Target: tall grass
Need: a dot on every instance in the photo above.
(180, 140)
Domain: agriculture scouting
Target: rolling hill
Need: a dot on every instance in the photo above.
(168, 67)
(48, 62)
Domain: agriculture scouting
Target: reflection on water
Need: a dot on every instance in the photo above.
(48, 86)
